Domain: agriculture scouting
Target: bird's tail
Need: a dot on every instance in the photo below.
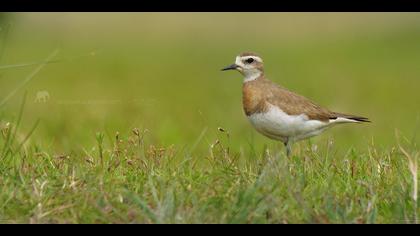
(339, 117)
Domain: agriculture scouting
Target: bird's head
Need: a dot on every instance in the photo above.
(249, 64)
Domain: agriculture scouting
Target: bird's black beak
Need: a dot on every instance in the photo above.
(231, 67)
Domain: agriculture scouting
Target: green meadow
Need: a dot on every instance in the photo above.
(127, 118)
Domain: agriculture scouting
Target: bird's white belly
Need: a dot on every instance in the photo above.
(278, 125)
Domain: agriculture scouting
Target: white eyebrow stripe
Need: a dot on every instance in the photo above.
(253, 57)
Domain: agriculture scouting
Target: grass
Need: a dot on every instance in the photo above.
(133, 181)
(149, 131)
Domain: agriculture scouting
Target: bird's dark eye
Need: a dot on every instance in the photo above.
(249, 60)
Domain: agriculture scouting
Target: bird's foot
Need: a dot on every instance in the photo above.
(288, 146)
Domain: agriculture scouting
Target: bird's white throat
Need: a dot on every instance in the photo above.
(251, 75)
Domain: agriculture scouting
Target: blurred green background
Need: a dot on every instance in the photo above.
(161, 71)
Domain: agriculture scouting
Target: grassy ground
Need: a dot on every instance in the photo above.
(131, 132)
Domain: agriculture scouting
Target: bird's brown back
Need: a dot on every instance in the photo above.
(260, 93)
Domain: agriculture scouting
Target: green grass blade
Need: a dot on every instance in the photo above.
(44, 62)
(27, 136)
(144, 207)
(10, 139)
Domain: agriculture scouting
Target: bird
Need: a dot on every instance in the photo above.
(278, 113)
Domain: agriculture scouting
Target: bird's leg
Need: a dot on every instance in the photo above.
(288, 146)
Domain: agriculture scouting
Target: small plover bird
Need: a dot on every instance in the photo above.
(278, 113)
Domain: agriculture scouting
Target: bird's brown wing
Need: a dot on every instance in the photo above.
(295, 104)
